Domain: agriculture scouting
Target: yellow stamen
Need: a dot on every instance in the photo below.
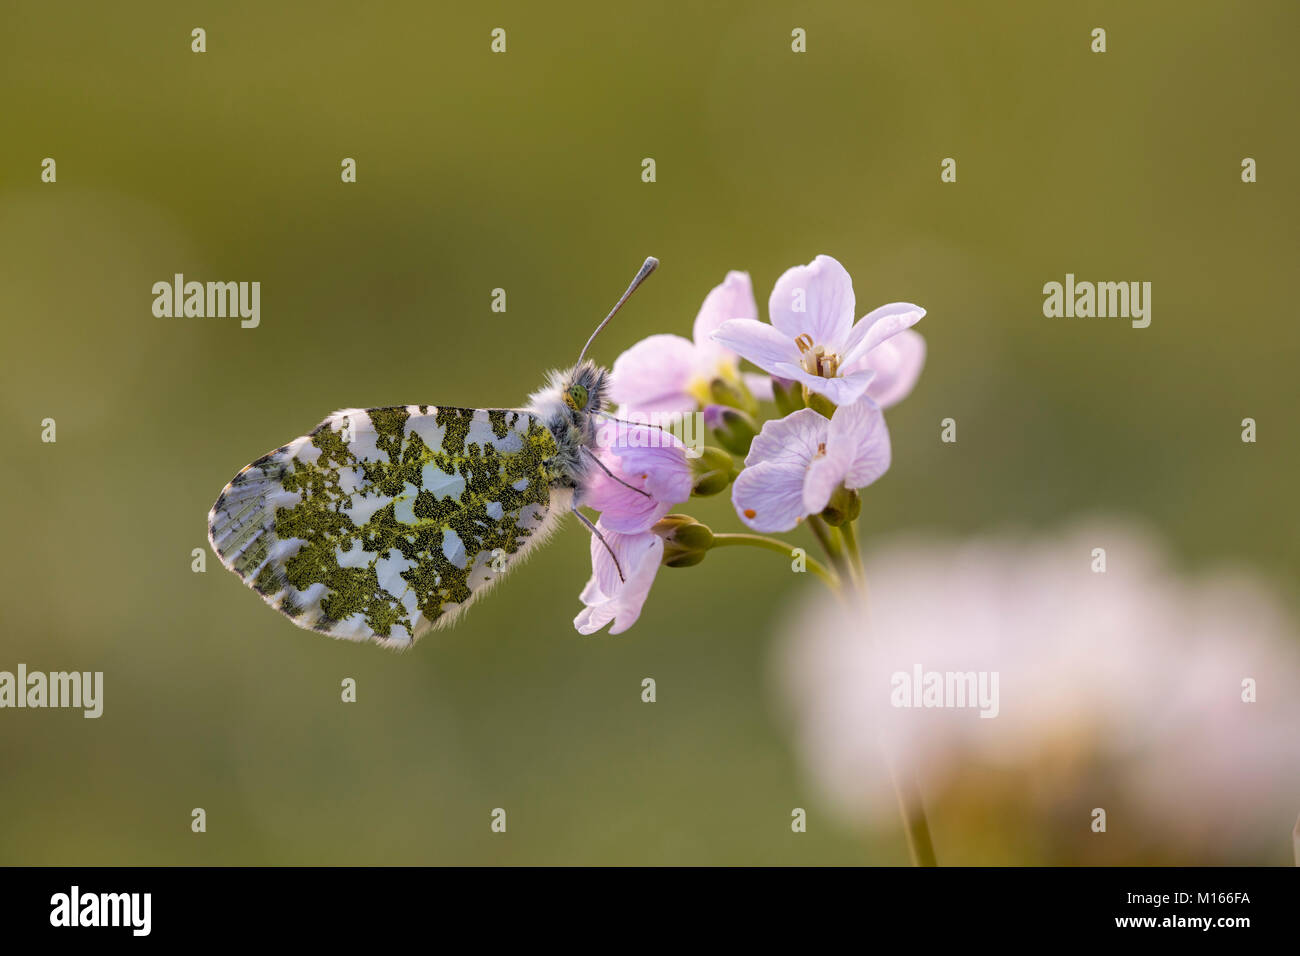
(817, 361)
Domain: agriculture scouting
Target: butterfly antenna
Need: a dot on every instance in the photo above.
(647, 267)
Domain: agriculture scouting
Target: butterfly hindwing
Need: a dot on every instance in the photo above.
(382, 523)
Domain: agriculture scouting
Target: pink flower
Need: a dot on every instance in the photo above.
(607, 597)
(797, 462)
(813, 339)
(652, 461)
(668, 373)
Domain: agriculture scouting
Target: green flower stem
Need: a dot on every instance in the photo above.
(915, 824)
(859, 576)
(832, 543)
(775, 544)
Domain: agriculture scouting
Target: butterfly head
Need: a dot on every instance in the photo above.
(583, 388)
(572, 399)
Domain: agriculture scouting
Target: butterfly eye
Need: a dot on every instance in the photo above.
(576, 397)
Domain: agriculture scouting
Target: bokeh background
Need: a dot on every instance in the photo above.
(522, 171)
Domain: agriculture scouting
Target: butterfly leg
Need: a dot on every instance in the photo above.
(623, 421)
(596, 531)
(597, 460)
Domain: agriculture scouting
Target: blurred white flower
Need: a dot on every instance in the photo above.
(1120, 689)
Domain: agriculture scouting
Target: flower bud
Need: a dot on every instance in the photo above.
(788, 395)
(686, 541)
(733, 395)
(818, 402)
(731, 428)
(712, 471)
(845, 506)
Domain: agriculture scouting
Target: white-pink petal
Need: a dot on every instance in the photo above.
(859, 441)
(845, 389)
(758, 342)
(654, 374)
(897, 364)
(607, 597)
(769, 496)
(662, 467)
(732, 299)
(814, 300)
(624, 509)
(793, 440)
(877, 326)
(825, 474)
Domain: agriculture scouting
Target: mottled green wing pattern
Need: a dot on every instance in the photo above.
(385, 522)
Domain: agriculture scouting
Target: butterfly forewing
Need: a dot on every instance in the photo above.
(385, 522)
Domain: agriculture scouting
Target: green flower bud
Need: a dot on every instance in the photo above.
(713, 471)
(818, 402)
(845, 506)
(731, 428)
(733, 395)
(686, 541)
(787, 395)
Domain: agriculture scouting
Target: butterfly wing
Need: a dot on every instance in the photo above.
(384, 522)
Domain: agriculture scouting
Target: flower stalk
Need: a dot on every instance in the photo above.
(780, 547)
(915, 824)
(832, 543)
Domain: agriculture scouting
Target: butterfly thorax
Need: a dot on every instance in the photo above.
(568, 407)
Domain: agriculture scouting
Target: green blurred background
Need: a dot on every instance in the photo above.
(522, 171)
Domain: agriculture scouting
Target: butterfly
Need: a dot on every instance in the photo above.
(383, 523)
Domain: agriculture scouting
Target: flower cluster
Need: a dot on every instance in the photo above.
(795, 444)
